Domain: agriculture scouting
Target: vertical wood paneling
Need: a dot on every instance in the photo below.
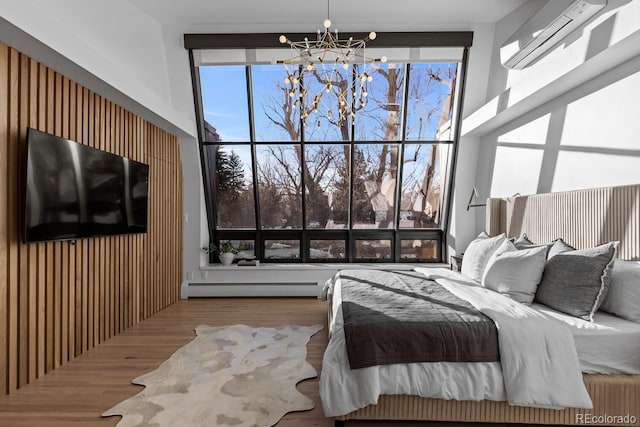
(23, 122)
(12, 222)
(42, 248)
(62, 298)
(4, 220)
(33, 249)
(583, 218)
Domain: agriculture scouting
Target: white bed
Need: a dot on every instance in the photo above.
(609, 345)
(606, 350)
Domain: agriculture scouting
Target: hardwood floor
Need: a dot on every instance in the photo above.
(76, 394)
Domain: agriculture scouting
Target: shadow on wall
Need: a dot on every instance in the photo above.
(551, 144)
(600, 38)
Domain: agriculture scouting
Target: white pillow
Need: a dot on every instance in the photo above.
(478, 253)
(515, 273)
(623, 297)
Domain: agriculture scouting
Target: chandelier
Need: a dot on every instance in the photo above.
(329, 74)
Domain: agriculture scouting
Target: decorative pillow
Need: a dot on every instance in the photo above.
(523, 242)
(478, 253)
(623, 298)
(559, 246)
(576, 282)
(514, 272)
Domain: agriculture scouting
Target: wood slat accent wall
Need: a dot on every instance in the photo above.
(59, 299)
(583, 218)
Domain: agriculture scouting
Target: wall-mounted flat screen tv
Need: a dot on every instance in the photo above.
(75, 191)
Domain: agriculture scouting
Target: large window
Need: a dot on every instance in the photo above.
(285, 186)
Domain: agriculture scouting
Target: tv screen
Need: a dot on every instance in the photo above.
(75, 191)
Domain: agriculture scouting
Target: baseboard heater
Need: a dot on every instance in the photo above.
(238, 290)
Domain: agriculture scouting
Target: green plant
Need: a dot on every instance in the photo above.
(211, 248)
(225, 247)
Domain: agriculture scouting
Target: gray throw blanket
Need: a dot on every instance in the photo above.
(402, 317)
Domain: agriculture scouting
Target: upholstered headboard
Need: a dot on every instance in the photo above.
(583, 218)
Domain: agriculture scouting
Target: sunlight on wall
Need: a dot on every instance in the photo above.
(619, 20)
(607, 119)
(578, 170)
(533, 132)
(516, 170)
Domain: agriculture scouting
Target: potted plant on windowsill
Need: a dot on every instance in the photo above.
(226, 252)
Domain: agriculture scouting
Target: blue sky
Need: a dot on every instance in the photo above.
(224, 94)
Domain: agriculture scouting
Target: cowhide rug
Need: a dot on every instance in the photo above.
(227, 376)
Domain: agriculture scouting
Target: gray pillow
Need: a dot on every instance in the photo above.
(576, 282)
(523, 243)
(559, 246)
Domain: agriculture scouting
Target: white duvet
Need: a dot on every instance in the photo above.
(539, 366)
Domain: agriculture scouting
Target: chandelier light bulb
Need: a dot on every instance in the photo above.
(338, 60)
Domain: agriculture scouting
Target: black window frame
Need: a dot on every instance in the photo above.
(349, 235)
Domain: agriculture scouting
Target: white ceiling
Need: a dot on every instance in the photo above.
(219, 16)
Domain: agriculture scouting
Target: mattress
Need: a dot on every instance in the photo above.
(608, 345)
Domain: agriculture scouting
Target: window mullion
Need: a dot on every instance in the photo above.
(398, 195)
(303, 189)
(448, 197)
(259, 253)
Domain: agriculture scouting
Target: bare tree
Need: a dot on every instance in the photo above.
(287, 112)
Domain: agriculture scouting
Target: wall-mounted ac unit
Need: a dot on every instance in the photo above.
(545, 29)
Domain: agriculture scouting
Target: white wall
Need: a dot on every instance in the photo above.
(114, 43)
(570, 120)
(462, 221)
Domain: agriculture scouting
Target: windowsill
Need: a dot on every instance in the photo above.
(322, 266)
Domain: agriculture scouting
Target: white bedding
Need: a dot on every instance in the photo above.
(608, 345)
(344, 390)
